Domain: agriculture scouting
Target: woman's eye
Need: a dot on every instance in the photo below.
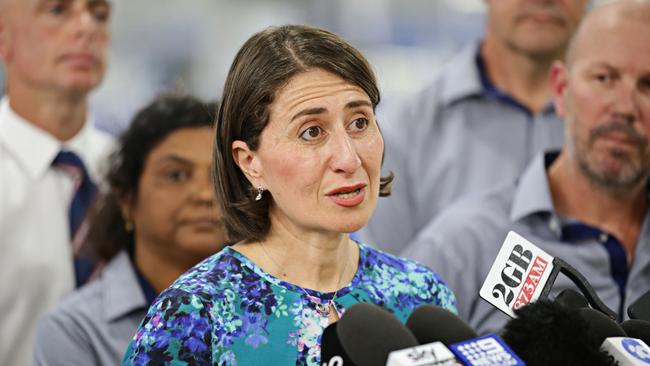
(178, 176)
(359, 124)
(55, 8)
(311, 133)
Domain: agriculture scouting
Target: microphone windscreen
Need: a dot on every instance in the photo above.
(330, 346)
(546, 333)
(600, 326)
(572, 299)
(637, 328)
(640, 309)
(369, 334)
(430, 323)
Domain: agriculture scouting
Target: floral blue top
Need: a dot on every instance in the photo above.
(228, 311)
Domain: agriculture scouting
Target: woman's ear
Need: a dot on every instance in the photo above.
(248, 162)
(126, 204)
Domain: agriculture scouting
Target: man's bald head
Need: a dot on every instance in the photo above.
(601, 92)
(606, 18)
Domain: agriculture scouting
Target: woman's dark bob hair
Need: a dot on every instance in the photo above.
(264, 64)
(164, 116)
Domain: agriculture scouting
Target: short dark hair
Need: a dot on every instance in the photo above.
(165, 115)
(265, 63)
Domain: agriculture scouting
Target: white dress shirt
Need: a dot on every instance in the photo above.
(36, 267)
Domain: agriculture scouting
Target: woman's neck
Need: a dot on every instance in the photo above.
(156, 269)
(319, 261)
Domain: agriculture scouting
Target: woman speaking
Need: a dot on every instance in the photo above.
(297, 165)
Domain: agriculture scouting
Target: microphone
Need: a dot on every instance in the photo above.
(367, 335)
(571, 299)
(434, 328)
(600, 326)
(486, 350)
(431, 354)
(640, 309)
(430, 323)
(523, 273)
(636, 328)
(627, 351)
(331, 349)
(548, 333)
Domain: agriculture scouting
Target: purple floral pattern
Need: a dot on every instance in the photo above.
(227, 311)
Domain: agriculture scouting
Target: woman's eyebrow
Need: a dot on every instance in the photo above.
(309, 111)
(358, 103)
(173, 158)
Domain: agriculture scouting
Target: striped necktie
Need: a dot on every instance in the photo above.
(85, 193)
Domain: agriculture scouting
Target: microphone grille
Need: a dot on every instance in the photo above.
(430, 323)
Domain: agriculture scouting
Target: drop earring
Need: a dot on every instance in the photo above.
(128, 225)
(260, 192)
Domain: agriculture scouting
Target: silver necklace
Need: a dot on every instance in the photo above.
(324, 309)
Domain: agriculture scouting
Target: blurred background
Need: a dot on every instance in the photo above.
(187, 46)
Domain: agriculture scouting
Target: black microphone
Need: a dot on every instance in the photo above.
(523, 273)
(430, 323)
(640, 309)
(571, 299)
(368, 334)
(331, 349)
(637, 328)
(548, 333)
(600, 326)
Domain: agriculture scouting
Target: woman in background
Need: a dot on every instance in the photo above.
(159, 220)
(297, 160)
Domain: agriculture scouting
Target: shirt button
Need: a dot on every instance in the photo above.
(603, 237)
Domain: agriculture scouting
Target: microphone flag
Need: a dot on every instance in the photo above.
(489, 350)
(517, 276)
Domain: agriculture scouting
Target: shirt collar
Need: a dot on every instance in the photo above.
(461, 76)
(465, 77)
(149, 292)
(122, 291)
(533, 194)
(34, 148)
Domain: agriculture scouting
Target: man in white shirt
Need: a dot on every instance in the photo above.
(54, 53)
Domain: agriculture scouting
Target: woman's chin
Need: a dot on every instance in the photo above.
(349, 228)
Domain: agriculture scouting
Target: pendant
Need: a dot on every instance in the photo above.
(323, 309)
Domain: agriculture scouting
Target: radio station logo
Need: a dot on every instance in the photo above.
(517, 276)
(485, 351)
(637, 349)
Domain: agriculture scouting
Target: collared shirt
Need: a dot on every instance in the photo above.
(94, 325)
(36, 267)
(460, 135)
(462, 243)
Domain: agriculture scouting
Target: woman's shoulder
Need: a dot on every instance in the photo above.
(213, 275)
(376, 258)
(407, 278)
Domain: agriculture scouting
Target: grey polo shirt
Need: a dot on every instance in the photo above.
(94, 325)
(462, 243)
(459, 135)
